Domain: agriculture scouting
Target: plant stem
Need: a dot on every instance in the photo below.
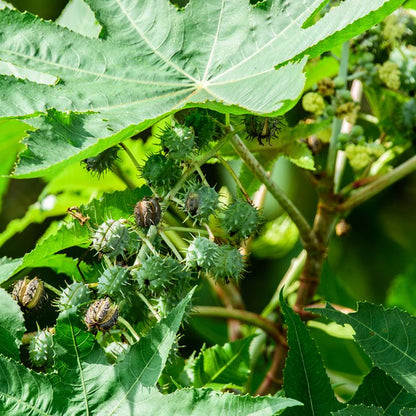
(123, 177)
(235, 177)
(379, 184)
(131, 156)
(336, 123)
(170, 244)
(250, 318)
(129, 327)
(292, 273)
(186, 230)
(149, 305)
(52, 288)
(306, 234)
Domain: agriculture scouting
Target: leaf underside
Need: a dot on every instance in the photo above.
(154, 59)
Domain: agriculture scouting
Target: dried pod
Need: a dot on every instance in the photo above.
(192, 203)
(101, 315)
(147, 212)
(29, 294)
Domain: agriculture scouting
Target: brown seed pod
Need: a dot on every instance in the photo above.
(30, 294)
(192, 203)
(147, 212)
(101, 315)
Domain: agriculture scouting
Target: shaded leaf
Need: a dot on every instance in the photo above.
(388, 336)
(150, 63)
(12, 326)
(360, 411)
(305, 378)
(380, 390)
(223, 366)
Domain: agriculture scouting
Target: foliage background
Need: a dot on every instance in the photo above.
(380, 246)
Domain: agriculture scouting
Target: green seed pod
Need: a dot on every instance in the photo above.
(111, 238)
(41, 349)
(201, 253)
(204, 127)
(201, 201)
(101, 315)
(30, 294)
(229, 263)
(147, 212)
(262, 128)
(158, 273)
(161, 172)
(241, 219)
(75, 295)
(103, 162)
(113, 282)
(178, 142)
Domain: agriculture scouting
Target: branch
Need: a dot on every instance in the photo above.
(306, 234)
(244, 316)
(367, 192)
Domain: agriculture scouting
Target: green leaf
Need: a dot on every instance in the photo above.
(11, 132)
(78, 17)
(12, 326)
(360, 411)
(380, 390)
(24, 392)
(223, 366)
(116, 205)
(386, 335)
(402, 292)
(408, 412)
(151, 63)
(305, 378)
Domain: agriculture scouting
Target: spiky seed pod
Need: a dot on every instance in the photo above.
(229, 263)
(201, 253)
(158, 273)
(111, 238)
(74, 295)
(147, 212)
(201, 201)
(41, 349)
(30, 294)
(101, 315)
(262, 128)
(113, 282)
(178, 142)
(161, 172)
(103, 162)
(241, 219)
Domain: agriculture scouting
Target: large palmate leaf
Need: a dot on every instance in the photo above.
(380, 390)
(360, 410)
(154, 59)
(305, 378)
(388, 336)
